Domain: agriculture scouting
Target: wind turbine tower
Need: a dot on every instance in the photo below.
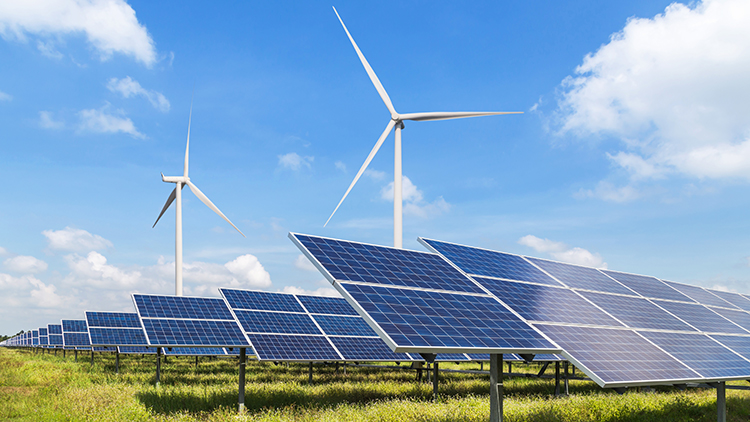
(176, 194)
(397, 122)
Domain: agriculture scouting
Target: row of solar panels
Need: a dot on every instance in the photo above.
(277, 326)
(620, 329)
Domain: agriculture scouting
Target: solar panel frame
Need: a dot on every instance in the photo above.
(75, 334)
(112, 329)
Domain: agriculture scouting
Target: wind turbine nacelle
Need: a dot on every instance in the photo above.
(174, 179)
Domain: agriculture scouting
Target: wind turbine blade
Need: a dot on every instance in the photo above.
(364, 166)
(446, 115)
(171, 198)
(187, 148)
(210, 204)
(368, 68)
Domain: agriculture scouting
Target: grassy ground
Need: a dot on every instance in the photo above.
(35, 387)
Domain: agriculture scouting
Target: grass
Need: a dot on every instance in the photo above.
(43, 387)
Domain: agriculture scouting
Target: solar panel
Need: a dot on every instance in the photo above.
(636, 312)
(127, 350)
(701, 317)
(648, 286)
(445, 312)
(54, 335)
(483, 262)
(180, 321)
(115, 329)
(195, 351)
(75, 333)
(544, 303)
(700, 295)
(738, 344)
(290, 327)
(578, 277)
(738, 317)
(733, 298)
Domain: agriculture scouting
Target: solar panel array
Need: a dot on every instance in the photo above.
(417, 302)
(620, 329)
(75, 334)
(115, 329)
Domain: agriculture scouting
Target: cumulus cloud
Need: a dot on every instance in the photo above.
(3, 251)
(92, 270)
(608, 192)
(673, 90)
(249, 271)
(110, 26)
(323, 291)
(5, 97)
(25, 264)
(46, 121)
(127, 87)
(414, 202)
(102, 121)
(295, 162)
(29, 292)
(302, 263)
(76, 240)
(562, 252)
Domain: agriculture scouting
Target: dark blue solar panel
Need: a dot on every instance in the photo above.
(42, 331)
(76, 339)
(195, 351)
(113, 319)
(738, 317)
(55, 339)
(648, 286)
(488, 263)
(267, 301)
(733, 298)
(617, 356)
(181, 307)
(54, 329)
(444, 320)
(699, 352)
(74, 326)
(636, 312)
(105, 349)
(344, 326)
(167, 332)
(291, 347)
(117, 336)
(578, 277)
(739, 344)
(700, 295)
(366, 349)
(137, 350)
(381, 265)
(35, 334)
(43, 341)
(451, 357)
(276, 322)
(700, 317)
(326, 305)
(542, 303)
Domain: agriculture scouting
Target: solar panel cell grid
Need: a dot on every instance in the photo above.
(276, 322)
(636, 312)
(442, 320)
(389, 266)
(291, 347)
(42, 331)
(76, 339)
(266, 301)
(490, 263)
(740, 318)
(74, 326)
(345, 326)
(167, 332)
(113, 319)
(733, 298)
(577, 277)
(700, 317)
(702, 354)
(326, 305)
(648, 286)
(738, 344)
(700, 295)
(117, 336)
(54, 329)
(542, 303)
(181, 307)
(366, 348)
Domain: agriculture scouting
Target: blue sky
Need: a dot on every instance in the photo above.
(632, 152)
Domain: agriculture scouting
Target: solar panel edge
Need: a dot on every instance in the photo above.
(237, 321)
(309, 315)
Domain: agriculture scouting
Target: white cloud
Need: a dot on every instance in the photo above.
(128, 87)
(5, 97)
(323, 291)
(340, 166)
(608, 192)
(76, 240)
(562, 252)
(3, 251)
(48, 50)
(249, 271)
(28, 292)
(414, 203)
(302, 263)
(374, 174)
(47, 122)
(101, 121)
(110, 26)
(25, 264)
(295, 162)
(93, 270)
(673, 89)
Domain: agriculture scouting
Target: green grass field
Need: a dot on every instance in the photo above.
(44, 387)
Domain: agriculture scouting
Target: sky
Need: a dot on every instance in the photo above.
(632, 152)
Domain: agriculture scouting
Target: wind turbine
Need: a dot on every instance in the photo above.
(397, 121)
(181, 181)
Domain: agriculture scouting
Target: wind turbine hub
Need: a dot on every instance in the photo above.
(395, 117)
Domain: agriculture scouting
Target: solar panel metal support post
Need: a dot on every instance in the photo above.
(557, 378)
(75, 353)
(92, 357)
(117, 362)
(565, 377)
(435, 382)
(721, 400)
(243, 360)
(158, 365)
(496, 387)
(309, 381)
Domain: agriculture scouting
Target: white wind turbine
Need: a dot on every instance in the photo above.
(397, 121)
(181, 181)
